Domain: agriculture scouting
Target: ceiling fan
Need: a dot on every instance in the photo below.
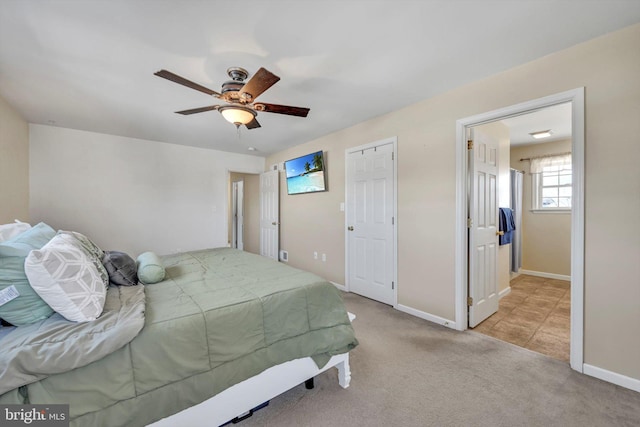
(240, 96)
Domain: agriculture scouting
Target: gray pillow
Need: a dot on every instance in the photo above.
(121, 268)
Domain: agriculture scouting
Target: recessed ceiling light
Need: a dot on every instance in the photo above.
(541, 134)
(252, 149)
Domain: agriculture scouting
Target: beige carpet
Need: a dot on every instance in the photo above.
(410, 372)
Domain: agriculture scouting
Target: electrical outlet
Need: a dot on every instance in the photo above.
(324, 257)
(315, 255)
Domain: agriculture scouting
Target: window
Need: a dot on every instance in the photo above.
(551, 182)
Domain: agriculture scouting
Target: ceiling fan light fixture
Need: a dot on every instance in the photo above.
(237, 115)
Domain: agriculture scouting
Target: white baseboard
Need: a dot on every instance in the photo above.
(503, 293)
(426, 316)
(546, 275)
(343, 288)
(612, 377)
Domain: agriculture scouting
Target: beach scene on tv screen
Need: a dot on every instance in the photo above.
(305, 174)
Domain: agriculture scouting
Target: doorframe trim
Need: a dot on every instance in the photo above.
(576, 98)
(394, 141)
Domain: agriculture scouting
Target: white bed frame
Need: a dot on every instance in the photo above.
(239, 399)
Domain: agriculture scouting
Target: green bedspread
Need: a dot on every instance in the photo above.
(219, 317)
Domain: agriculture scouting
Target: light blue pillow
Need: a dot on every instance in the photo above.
(34, 238)
(150, 268)
(28, 307)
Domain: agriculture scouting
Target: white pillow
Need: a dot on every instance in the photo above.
(8, 231)
(64, 276)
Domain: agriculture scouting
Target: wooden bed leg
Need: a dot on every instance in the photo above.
(308, 384)
(344, 373)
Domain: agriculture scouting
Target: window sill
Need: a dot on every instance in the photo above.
(551, 211)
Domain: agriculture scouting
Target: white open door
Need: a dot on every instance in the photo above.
(370, 222)
(483, 230)
(269, 214)
(238, 193)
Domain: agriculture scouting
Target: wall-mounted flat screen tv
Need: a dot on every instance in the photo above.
(306, 174)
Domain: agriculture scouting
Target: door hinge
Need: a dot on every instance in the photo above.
(392, 155)
(393, 285)
(469, 301)
(469, 222)
(469, 144)
(393, 220)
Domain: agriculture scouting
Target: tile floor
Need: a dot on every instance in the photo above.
(534, 315)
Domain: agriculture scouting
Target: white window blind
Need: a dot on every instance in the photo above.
(562, 162)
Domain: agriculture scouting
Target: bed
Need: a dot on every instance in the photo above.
(224, 332)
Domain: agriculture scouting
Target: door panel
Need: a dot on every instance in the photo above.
(234, 215)
(370, 235)
(483, 238)
(240, 215)
(269, 214)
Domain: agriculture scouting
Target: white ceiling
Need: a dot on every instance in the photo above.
(89, 64)
(557, 119)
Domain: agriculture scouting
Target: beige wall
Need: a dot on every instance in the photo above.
(131, 194)
(546, 237)
(608, 67)
(500, 132)
(313, 222)
(14, 165)
(251, 228)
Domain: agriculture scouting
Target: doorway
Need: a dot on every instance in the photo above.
(576, 100)
(532, 279)
(243, 211)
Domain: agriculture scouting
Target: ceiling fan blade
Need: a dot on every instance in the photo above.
(282, 109)
(188, 83)
(261, 81)
(198, 110)
(253, 124)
